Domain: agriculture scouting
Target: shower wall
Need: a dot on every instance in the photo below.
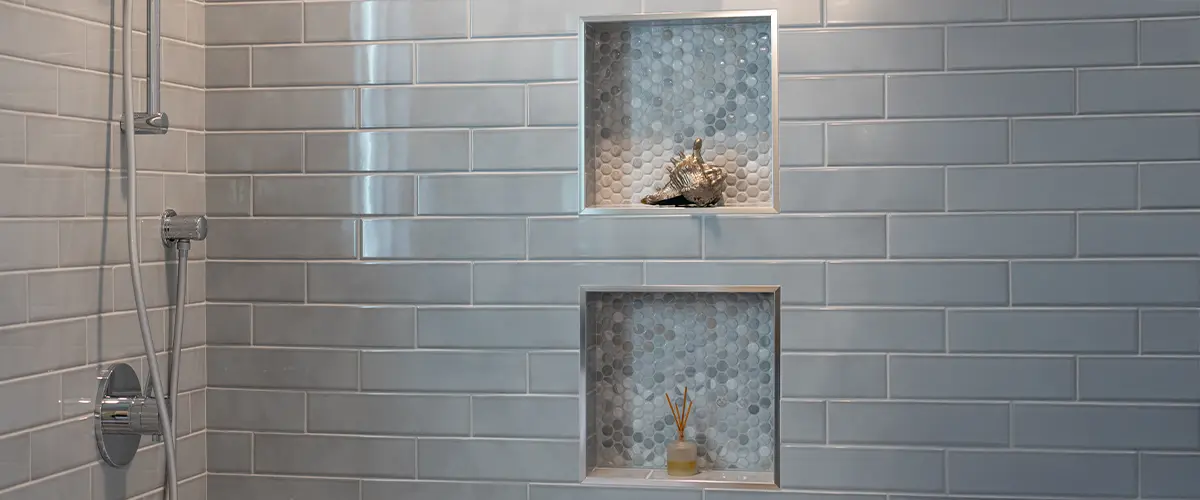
(987, 251)
(66, 307)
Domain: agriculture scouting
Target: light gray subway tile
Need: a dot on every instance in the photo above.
(335, 456)
(1105, 426)
(848, 51)
(93, 95)
(332, 65)
(1041, 45)
(525, 416)
(978, 377)
(258, 109)
(253, 23)
(435, 106)
(791, 237)
(384, 20)
(32, 245)
(801, 144)
(922, 424)
(1083, 187)
(158, 291)
(229, 452)
(918, 143)
(799, 282)
(1138, 90)
(75, 292)
(104, 194)
(830, 97)
(14, 299)
(39, 397)
(539, 17)
(186, 105)
(46, 136)
(102, 51)
(226, 67)
(833, 375)
(745, 494)
(38, 35)
(1105, 283)
(862, 330)
(283, 238)
(1170, 332)
(443, 371)
(42, 192)
(479, 194)
(861, 469)
(1169, 185)
(554, 104)
(228, 195)
(1042, 331)
(282, 368)
(259, 281)
(499, 459)
(334, 195)
(1138, 234)
(1169, 476)
(238, 487)
(184, 192)
(12, 138)
(498, 327)
(443, 238)
(1105, 139)
(917, 283)
(117, 335)
(601, 492)
(614, 237)
(1089, 9)
(498, 61)
(1024, 473)
(182, 64)
(392, 151)
(863, 190)
(62, 447)
(25, 86)
(850, 12)
(526, 149)
(390, 283)
(79, 391)
(334, 326)
(228, 324)
(1172, 41)
(238, 410)
(407, 414)
(981, 94)
(75, 484)
(43, 347)
(1138, 379)
(973, 236)
(554, 372)
(441, 490)
(547, 282)
(15, 461)
(802, 422)
(253, 153)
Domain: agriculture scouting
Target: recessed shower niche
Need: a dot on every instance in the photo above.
(641, 343)
(654, 83)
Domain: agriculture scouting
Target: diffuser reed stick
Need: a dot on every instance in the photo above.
(681, 454)
(681, 412)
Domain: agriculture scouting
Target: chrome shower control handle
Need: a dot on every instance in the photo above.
(177, 227)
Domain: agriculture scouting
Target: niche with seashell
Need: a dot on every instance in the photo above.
(654, 85)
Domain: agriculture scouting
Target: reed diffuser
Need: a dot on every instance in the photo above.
(681, 454)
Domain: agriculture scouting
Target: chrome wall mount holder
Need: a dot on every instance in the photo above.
(149, 123)
(123, 415)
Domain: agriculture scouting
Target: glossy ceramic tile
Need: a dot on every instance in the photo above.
(393, 151)
(384, 20)
(296, 65)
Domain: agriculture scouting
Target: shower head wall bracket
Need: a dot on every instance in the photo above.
(122, 415)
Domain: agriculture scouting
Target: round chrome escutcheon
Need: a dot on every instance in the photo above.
(118, 390)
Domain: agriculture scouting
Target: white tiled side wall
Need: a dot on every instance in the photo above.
(988, 249)
(66, 308)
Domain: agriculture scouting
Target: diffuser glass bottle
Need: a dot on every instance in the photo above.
(681, 453)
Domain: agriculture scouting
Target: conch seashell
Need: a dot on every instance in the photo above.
(690, 182)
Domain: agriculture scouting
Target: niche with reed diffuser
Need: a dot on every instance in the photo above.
(645, 345)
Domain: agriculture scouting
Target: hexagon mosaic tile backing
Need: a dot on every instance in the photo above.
(653, 88)
(719, 345)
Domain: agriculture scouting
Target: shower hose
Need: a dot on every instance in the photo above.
(135, 261)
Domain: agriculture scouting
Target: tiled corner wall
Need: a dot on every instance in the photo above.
(988, 250)
(66, 307)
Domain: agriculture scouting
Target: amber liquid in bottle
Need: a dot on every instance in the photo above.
(681, 458)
